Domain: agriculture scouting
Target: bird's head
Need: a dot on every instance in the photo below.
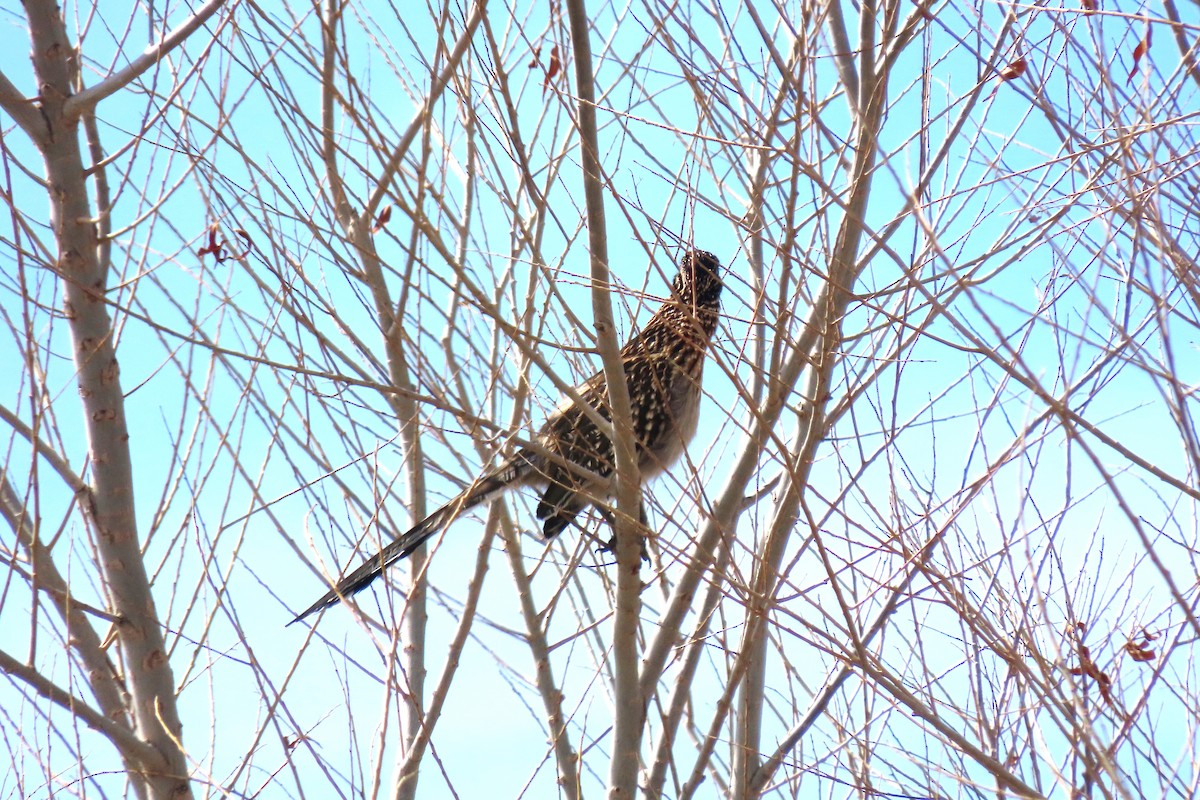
(699, 278)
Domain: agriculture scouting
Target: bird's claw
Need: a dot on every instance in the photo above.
(610, 546)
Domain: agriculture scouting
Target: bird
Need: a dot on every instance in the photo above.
(570, 460)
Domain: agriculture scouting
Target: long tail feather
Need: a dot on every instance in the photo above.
(403, 546)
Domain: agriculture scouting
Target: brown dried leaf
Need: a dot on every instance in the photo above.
(1014, 70)
(1139, 653)
(1138, 648)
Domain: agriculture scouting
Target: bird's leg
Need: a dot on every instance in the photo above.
(611, 545)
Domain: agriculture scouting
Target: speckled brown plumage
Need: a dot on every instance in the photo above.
(572, 459)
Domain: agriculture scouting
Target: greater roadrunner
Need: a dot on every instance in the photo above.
(571, 461)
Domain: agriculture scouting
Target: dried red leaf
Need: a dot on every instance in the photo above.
(215, 246)
(382, 219)
(1014, 70)
(245, 237)
(1103, 681)
(290, 743)
(1139, 50)
(218, 246)
(1088, 668)
(552, 70)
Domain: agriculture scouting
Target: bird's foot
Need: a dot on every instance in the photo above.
(610, 546)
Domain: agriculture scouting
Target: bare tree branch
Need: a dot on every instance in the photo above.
(86, 100)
